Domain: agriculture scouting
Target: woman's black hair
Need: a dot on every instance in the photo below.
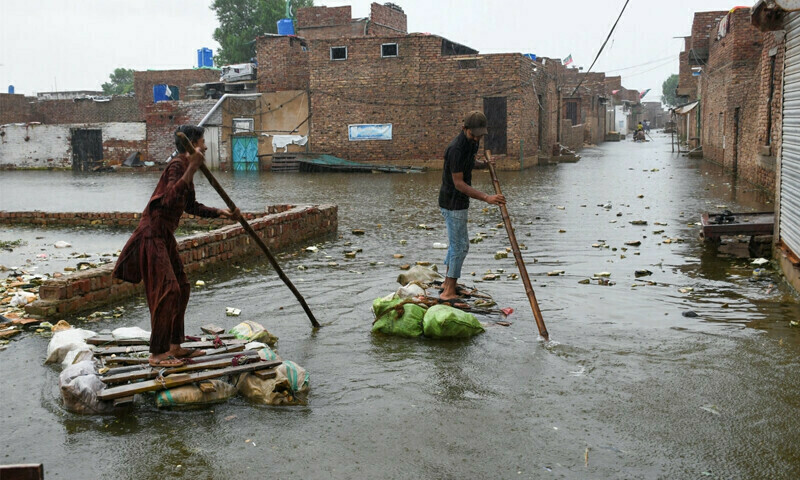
(192, 132)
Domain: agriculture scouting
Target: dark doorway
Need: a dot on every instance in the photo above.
(496, 109)
(87, 149)
(572, 111)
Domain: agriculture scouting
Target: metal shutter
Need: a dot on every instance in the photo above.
(790, 151)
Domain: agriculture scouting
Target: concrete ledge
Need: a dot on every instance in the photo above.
(93, 288)
(789, 264)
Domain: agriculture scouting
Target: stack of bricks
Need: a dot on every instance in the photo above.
(94, 288)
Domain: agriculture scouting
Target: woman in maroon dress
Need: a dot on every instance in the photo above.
(151, 254)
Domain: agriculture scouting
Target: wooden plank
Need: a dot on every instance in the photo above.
(22, 472)
(119, 350)
(212, 329)
(148, 372)
(210, 354)
(124, 401)
(210, 344)
(207, 387)
(9, 333)
(172, 381)
(110, 340)
(265, 374)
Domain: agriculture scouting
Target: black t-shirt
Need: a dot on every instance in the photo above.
(459, 157)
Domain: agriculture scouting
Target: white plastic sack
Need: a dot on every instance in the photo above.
(65, 341)
(79, 385)
(420, 274)
(130, 333)
(77, 355)
(410, 290)
(22, 298)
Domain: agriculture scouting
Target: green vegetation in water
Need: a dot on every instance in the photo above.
(10, 245)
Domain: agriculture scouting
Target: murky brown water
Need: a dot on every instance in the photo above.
(650, 393)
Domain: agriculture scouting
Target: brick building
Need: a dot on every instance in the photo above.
(144, 81)
(587, 106)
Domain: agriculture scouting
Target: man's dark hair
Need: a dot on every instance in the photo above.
(192, 132)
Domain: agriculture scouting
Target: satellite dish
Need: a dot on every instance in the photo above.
(790, 5)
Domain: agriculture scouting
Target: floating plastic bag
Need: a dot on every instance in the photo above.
(130, 333)
(444, 321)
(79, 385)
(420, 274)
(397, 317)
(65, 341)
(288, 387)
(191, 395)
(253, 332)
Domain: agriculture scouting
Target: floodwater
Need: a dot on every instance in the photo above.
(627, 388)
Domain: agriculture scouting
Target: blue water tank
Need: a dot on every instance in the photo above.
(11, 89)
(205, 58)
(285, 26)
(532, 56)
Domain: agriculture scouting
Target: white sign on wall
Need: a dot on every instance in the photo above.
(369, 131)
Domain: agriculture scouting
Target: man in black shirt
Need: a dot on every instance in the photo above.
(454, 195)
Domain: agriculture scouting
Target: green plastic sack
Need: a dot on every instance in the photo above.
(444, 321)
(388, 320)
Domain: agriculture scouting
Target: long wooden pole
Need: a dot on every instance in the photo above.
(523, 272)
(187, 145)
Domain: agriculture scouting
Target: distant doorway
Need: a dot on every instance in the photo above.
(87, 149)
(496, 111)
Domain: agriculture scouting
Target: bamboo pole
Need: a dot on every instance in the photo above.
(187, 145)
(523, 272)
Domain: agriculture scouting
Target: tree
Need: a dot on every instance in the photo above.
(668, 88)
(241, 21)
(121, 82)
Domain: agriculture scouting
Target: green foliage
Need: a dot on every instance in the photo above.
(121, 82)
(668, 94)
(241, 21)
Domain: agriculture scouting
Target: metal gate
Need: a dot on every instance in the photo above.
(87, 149)
(245, 154)
(789, 226)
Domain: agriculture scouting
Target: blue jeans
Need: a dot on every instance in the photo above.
(457, 240)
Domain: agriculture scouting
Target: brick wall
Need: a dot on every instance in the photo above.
(730, 82)
(144, 81)
(283, 62)
(386, 20)
(126, 220)
(323, 16)
(549, 78)
(94, 288)
(572, 135)
(423, 94)
(16, 108)
(118, 109)
(164, 117)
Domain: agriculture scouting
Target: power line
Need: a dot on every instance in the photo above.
(642, 64)
(603, 46)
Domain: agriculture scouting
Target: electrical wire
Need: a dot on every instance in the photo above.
(604, 45)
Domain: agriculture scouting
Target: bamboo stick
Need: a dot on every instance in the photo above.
(187, 145)
(523, 272)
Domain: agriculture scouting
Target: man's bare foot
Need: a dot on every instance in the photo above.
(449, 290)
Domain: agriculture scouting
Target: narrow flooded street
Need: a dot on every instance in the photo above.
(629, 387)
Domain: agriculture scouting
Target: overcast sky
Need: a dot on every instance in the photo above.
(48, 45)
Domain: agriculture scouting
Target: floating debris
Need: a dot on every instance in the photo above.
(440, 246)
(199, 283)
(500, 254)
(638, 222)
(686, 289)
(232, 312)
(398, 255)
(62, 244)
(642, 273)
(312, 249)
(358, 231)
(555, 273)
(634, 243)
